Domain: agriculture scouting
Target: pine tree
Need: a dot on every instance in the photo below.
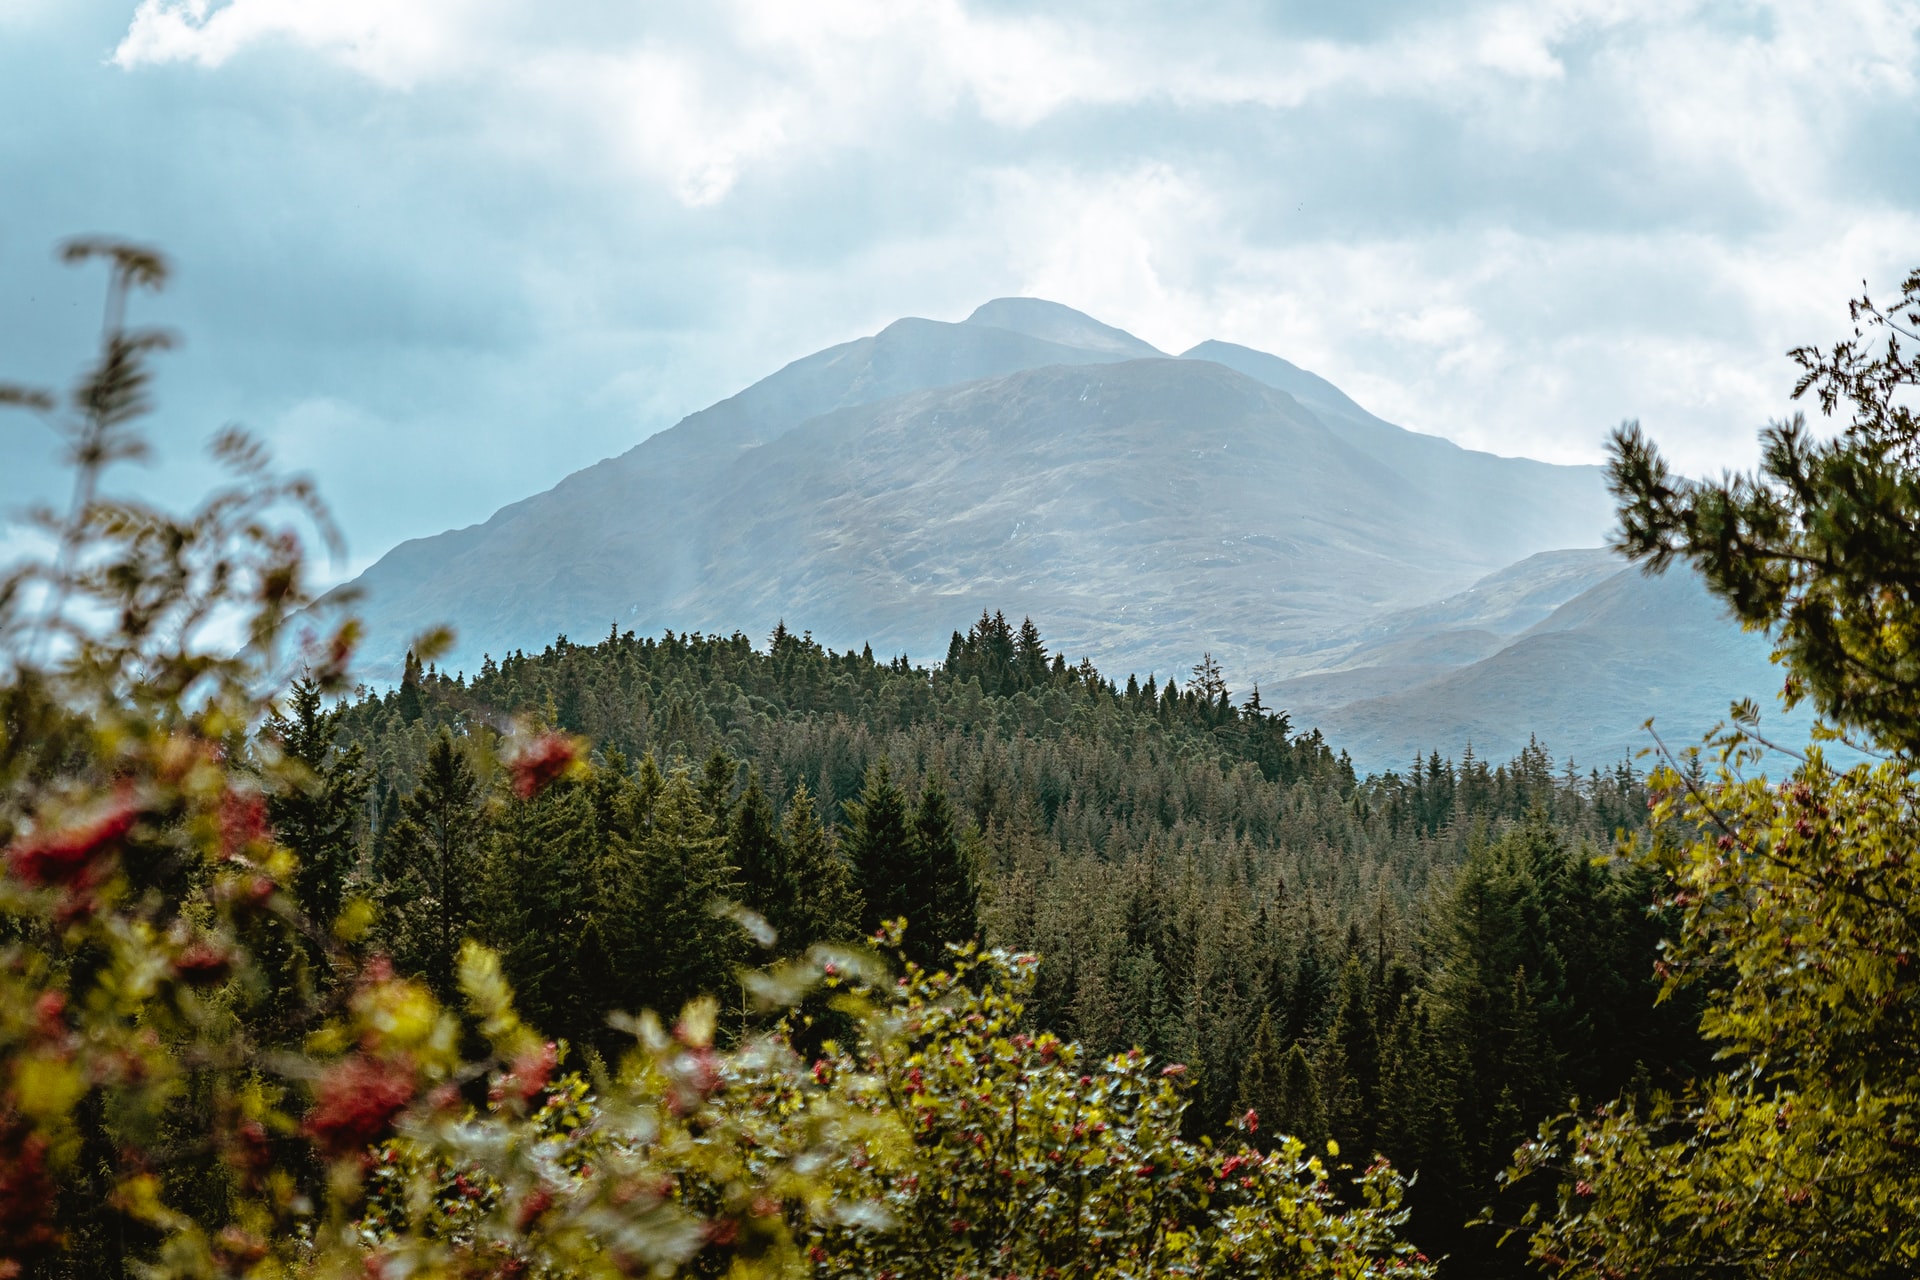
(814, 896)
(1030, 656)
(436, 855)
(1312, 986)
(1263, 1084)
(321, 821)
(717, 778)
(544, 911)
(1209, 682)
(1351, 1063)
(945, 900)
(386, 824)
(1300, 1113)
(666, 943)
(753, 846)
(879, 847)
(410, 704)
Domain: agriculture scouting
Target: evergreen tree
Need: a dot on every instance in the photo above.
(409, 703)
(436, 856)
(545, 912)
(321, 821)
(1209, 682)
(1300, 1113)
(1030, 656)
(1310, 990)
(814, 898)
(1351, 1063)
(753, 846)
(386, 824)
(665, 943)
(945, 900)
(717, 779)
(879, 847)
(1263, 1085)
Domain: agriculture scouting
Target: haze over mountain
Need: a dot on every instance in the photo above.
(1143, 508)
(1573, 647)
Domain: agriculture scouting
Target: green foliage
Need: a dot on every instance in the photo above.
(878, 844)
(670, 944)
(1821, 547)
(200, 1079)
(1795, 1156)
(248, 938)
(943, 894)
(817, 900)
(962, 1146)
(1796, 901)
(319, 820)
(432, 865)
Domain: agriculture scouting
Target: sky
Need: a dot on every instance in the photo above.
(441, 253)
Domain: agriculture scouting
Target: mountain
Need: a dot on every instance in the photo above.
(587, 551)
(1584, 677)
(1148, 510)
(1406, 648)
(1142, 507)
(1038, 318)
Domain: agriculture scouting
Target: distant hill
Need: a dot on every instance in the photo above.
(1145, 508)
(1583, 675)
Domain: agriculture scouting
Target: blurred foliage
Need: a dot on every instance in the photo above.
(944, 1141)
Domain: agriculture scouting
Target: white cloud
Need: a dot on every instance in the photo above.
(394, 43)
(1512, 222)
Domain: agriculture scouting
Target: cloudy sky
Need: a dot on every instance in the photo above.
(443, 252)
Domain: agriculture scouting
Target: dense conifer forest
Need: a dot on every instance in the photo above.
(1424, 965)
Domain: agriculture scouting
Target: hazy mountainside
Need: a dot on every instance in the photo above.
(1148, 510)
(1583, 678)
(1038, 318)
(1406, 648)
(615, 541)
(1501, 501)
(887, 489)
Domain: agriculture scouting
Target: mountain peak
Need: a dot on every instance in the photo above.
(1038, 318)
(1308, 388)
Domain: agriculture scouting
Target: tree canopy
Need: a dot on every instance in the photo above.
(1796, 928)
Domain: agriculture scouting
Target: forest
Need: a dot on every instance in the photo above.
(1423, 966)
(680, 955)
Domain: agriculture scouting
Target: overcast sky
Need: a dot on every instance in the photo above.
(444, 252)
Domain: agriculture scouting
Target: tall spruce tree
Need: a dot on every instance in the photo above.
(944, 902)
(435, 853)
(1350, 1070)
(717, 778)
(754, 848)
(545, 911)
(321, 821)
(1300, 1113)
(1263, 1085)
(814, 897)
(879, 846)
(409, 702)
(665, 943)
